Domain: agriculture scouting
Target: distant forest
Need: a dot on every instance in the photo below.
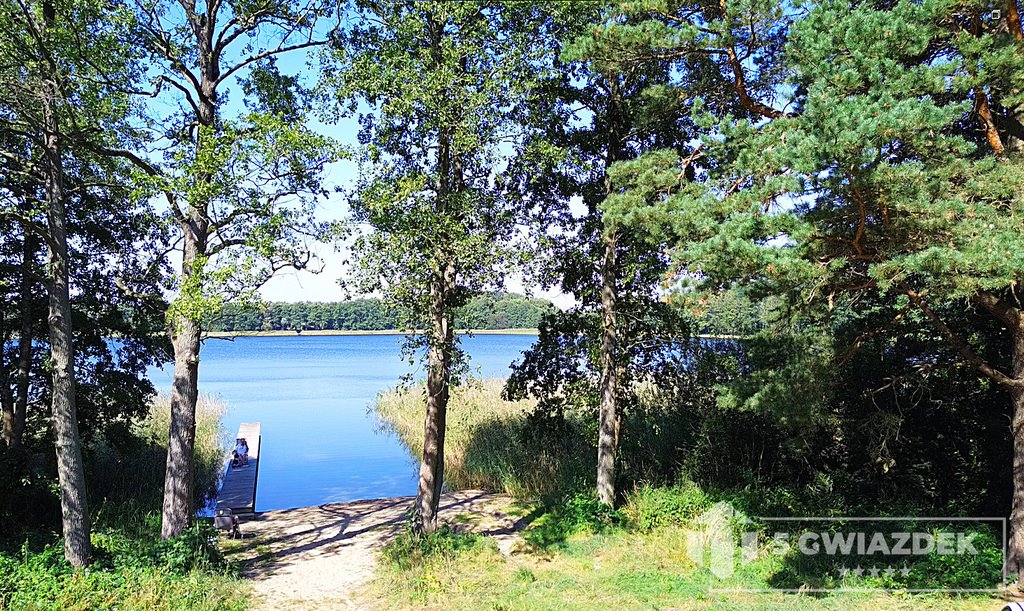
(486, 311)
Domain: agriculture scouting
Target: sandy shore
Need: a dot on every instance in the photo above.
(321, 557)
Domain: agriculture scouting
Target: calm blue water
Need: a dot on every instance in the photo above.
(313, 397)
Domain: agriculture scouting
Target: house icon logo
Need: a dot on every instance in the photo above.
(722, 539)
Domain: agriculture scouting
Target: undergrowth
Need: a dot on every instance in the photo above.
(131, 567)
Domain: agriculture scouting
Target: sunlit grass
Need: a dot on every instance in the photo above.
(616, 569)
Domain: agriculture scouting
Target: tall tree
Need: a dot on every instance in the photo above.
(240, 184)
(893, 177)
(61, 66)
(598, 112)
(440, 82)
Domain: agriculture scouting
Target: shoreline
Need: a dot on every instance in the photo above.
(344, 332)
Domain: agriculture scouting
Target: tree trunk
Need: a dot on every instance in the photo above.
(428, 494)
(186, 332)
(1015, 553)
(178, 484)
(1014, 124)
(70, 469)
(16, 410)
(1013, 25)
(608, 427)
(608, 432)
(6, 396)
(24, 344)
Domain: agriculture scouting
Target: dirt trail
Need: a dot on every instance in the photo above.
(320, 557)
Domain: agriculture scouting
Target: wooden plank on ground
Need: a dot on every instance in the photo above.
(238, 490)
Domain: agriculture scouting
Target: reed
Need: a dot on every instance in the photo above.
(490, 443)
(140, 466)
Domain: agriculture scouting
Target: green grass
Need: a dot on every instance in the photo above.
(132, 568)
(597, 561)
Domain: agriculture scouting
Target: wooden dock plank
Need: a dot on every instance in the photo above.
(238, 490)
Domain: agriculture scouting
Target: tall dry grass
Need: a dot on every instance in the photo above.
(490, 443)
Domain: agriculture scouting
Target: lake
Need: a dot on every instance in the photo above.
(313, 396)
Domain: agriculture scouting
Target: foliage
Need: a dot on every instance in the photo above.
(262, 205)
(131, 571)
(250, 173)
(562, 369)
(103, 216)
(484, 311)
(873, 190)
(441, 83)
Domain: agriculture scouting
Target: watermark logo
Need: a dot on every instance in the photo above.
(826, 554)
(713, 541)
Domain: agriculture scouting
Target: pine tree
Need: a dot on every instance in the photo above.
(893, 174)
(596, 111)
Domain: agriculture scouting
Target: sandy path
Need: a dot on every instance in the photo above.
(319, 557)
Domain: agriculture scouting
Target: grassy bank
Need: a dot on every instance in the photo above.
(618, 569)
(323, 332)
(132, 568)
(139, 460)
(580, 555)
(577, 554)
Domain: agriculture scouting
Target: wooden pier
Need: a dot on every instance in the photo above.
(238, 491)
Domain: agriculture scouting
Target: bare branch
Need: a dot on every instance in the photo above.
(269, 53)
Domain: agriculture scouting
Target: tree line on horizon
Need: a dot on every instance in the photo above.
(489, 311)
(843, 180)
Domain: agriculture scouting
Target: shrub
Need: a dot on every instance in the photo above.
(648, 507)
(194, 549)
(576, 514)
(410, 549)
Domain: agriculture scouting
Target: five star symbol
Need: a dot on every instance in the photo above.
(874, 571)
